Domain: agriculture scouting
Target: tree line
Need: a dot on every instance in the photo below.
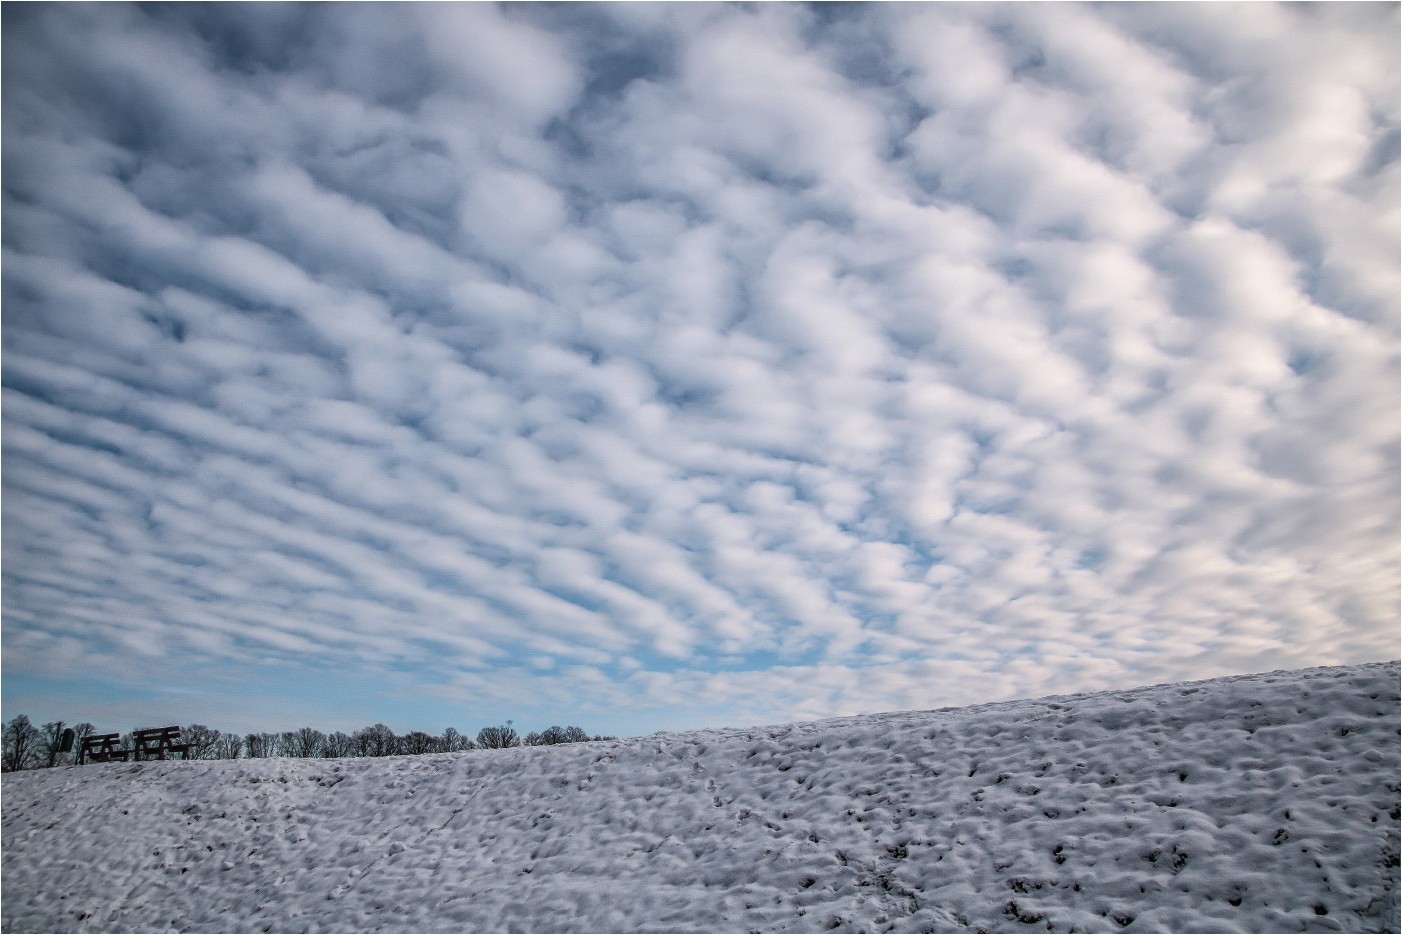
(29, 747)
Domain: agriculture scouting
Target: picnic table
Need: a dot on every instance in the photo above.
(154, 743)
(151, 743)
(102, 748)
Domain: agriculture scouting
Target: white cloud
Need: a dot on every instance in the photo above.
(523, 71)
(701, 363)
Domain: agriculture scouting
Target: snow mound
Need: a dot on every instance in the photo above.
(1247, 804)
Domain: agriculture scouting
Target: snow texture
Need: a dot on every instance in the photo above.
(1248, 804)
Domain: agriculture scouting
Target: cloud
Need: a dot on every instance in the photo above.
(691, 365)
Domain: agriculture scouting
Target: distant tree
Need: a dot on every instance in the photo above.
(338, 744)
(387, 741)
(50, 748)
(80, 733)
(361, 742)
(229, 747)
(307, 742)
(22, 741)
(203, 741)
(416, 742)
(376, 740)
(451, 741)
(496, 738)
(554, 735)
(284, 742)
(260, 745)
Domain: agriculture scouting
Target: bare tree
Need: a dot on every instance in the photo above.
(51, 748)
(260, 745)
(360, 742)
(386, 742)
(203, 741)
(554, 735)
(27, 747)
(229, 746)
(306, 742)
(284, 743)
(496, 738)
(22, 741)
(376, 740)
(416, 742)
(338, 744)
(452, 741)
(81, 732)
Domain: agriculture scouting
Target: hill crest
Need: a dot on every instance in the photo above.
(1267, 802)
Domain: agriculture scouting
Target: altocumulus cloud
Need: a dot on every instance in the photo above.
(663, 365)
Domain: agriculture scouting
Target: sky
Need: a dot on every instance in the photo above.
(647, 367)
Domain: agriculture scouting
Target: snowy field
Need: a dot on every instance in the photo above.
(1265, 803)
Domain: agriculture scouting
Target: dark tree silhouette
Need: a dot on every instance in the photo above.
(261, 745)
(452, 741)
(29, 747)
(305, 743)
(338, 744)
(495, 738)
(376, 740)
(80, 732)
(416, 743)
(51, 747)
(22, 741)
(203, 741)
(230, 746)
(554, 735)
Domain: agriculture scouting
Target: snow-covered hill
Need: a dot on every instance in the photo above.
(1259, 803)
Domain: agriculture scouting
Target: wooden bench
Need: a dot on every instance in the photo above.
(154, 743)
(102, 748)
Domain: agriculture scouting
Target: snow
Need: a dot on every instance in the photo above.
(1247, 804)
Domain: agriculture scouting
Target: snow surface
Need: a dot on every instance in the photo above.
(1257, 803)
